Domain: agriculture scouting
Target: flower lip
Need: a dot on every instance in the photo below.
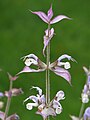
(32, 56)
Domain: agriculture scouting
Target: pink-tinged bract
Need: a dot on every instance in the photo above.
(58, 18)
(47, 37)
(63, 73)
(42, 15)
(48, 18)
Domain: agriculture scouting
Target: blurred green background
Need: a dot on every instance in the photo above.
(22, 33)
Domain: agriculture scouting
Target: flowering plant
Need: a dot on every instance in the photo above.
(46, 106)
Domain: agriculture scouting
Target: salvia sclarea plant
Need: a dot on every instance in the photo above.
(45, 106)
(9, 94)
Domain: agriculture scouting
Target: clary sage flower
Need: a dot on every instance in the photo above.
(48, 18)
(87, 114)
(53, 108)
(86, 91)
(58, 67)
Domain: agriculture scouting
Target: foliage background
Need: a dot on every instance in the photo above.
(22, 33)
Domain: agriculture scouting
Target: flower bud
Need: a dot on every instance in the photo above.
(85, 98)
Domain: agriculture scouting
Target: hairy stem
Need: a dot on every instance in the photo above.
(8, 101)
(48, 73)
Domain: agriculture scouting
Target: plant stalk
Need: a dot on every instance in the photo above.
(48, 74)
(8, 101)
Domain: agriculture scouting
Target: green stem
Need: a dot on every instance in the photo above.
(8, 101)
(48, 73)
(81, 110)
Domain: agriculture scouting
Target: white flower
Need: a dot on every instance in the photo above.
(53, 108)
(85, 98)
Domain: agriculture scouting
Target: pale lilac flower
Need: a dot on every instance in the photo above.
(32, 59)
(87, 114)
(58, 67)
(39, 99)
(47, 37)
(86, 91)
(47, 18)
(53, 108)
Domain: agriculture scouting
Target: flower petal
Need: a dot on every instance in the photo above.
(66, 56)
(87, 113)
(2, 115)
(42, 99)
(30, 56)
(56, 104)
(63, 73)
(42, 15)
(50, 13)
(46, 112)
(58, 18)
(38, 89)
(60, 95)
(32, 97)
